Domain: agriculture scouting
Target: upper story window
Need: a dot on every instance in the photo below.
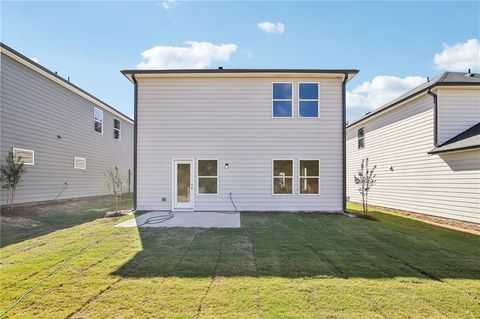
(282, 177)
(282, 95)
(207, 177)
(309, 177)
(25, 156)
(116, 129)
(98, 118)
(308, 100)
(361, 138)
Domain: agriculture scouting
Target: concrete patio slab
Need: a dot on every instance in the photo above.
(185, 219)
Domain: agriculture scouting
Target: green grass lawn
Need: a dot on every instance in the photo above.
(275, 266)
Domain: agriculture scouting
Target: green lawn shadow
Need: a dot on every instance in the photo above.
(34, 221)
(308, 245)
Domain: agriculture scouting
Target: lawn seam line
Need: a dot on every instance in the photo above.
(91, 299)
(257, 275)
(214, 276)
(81, 249)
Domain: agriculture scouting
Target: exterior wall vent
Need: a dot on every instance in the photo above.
(80, 162)
(25, 156)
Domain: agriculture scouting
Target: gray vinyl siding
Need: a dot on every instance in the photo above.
(34, 110)
(231, 120)
(441, 185)
(458, 110)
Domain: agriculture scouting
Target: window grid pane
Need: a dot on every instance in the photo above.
(309, 185)
(283, 177)
(308, 100)
(282, 100)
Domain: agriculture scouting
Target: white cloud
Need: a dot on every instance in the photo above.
(271, 27)
(459, 57)
(250, 54)
(169, 4)
(381, 90)
(34, 59)
(195, 55)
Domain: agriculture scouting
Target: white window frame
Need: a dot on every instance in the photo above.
(198, 176)
(300, 177)
(308, 100)
(292, 177)
(117, 129)
(74, 161)
(284, 100)
(95, 120)
(25, 150)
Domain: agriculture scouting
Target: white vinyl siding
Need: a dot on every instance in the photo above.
(79, 162)
(230, 119)
(25, 156)
(458, 110)
(34, 110)
(408, 178)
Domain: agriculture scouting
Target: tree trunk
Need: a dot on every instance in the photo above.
(12, 200)
(366, 203)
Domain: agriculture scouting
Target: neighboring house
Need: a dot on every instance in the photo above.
(273, 140)
(66, 137)
(426, 145)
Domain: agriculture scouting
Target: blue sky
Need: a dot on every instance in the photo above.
(392, 43)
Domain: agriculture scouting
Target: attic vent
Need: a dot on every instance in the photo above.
(220, 67)
(79, 162)
(25, 156)
(469, 73)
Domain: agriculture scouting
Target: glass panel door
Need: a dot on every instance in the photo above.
(183, 185)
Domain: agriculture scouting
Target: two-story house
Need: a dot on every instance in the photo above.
(262, 140)
(65, 136)
(426, 145)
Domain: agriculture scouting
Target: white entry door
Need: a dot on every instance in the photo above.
(183, 184)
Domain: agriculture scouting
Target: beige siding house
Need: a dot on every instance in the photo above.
(66, 137)
(426, 145)
(260, 140)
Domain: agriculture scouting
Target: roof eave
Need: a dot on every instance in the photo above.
(239, 72)
(19, 57)
(452, 150)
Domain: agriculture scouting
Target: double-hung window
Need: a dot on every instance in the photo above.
(308, 104)
(309, 177)
(361, 138)
(116, 129)
(207, 175)
(282, 172)
(98, 119)
(282, 96)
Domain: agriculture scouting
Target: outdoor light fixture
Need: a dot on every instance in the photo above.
(227, 166)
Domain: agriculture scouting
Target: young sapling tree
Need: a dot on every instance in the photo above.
(365, 179)
(11, 175)
(114, 182)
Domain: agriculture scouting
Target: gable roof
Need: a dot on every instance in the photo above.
(17, 56)
(444, 79)
(468, 139)
(232, 72)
